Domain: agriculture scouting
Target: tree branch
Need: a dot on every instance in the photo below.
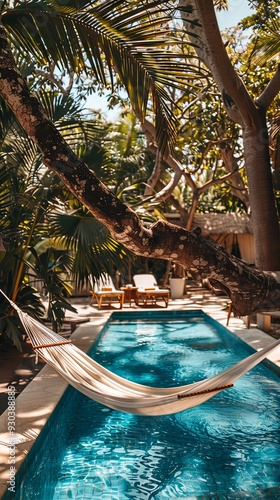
(154, 175)
(210, 48)
(149, 130)
(238, 187)
(52, 78)
(270, 92)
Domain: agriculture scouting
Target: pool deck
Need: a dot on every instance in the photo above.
(36, 402)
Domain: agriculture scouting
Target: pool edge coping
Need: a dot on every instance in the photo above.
(36, 403)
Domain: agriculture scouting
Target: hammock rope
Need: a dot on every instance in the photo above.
(118, 393)
(52, 344)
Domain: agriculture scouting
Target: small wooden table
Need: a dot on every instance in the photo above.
(129, 293)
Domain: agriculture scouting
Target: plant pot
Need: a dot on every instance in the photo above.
(177, 287)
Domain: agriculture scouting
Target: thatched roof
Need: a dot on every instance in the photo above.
(229, 223)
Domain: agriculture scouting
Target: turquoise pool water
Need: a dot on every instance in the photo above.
(227, 448)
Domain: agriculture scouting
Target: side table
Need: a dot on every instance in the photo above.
(129, 293)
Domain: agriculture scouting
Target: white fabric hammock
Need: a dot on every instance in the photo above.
(98, 383)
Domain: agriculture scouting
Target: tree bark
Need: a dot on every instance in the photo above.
(251, 117)
(250, 289)
(262, 202)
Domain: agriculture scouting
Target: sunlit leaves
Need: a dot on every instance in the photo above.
(138, 41)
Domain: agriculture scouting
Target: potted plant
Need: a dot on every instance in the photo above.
(177, 282)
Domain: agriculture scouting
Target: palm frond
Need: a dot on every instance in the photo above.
(267, 45)
(93, 247)
(135, 40)
(70, 121)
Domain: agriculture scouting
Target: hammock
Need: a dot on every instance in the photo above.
(98, 383)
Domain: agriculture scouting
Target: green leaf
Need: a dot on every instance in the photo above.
(139, 42)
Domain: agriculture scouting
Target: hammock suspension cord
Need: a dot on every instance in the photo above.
(41, 346)
(206, 391)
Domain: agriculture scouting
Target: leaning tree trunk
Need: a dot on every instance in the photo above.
(251, 117)
(249, 289)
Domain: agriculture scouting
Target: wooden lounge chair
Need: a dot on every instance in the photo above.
(104, 291)
(148, 291)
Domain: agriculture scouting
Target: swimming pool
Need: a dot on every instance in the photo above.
(229, 447)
